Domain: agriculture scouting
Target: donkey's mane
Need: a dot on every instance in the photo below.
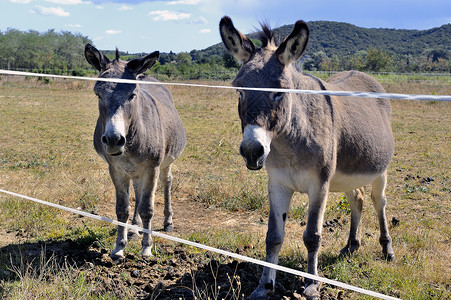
(267, 36)
(117, 54)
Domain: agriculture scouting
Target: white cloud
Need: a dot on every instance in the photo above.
(112, 31)
(206, 30)
(74, 25)
(68, 2)
(20, 1)
(50, 11)
(200, 20)
(185, 2)
(124, 8)
(166, 15)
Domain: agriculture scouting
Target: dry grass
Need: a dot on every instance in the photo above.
(46, 151)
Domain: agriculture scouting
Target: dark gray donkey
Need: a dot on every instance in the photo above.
(140, 134)
(309, 143)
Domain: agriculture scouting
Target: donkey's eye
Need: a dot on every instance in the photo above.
(132, 96)
(278, 96)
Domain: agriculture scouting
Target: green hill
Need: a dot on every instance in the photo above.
(342, 46)
(338, 38)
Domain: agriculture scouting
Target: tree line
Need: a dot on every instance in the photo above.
(48, 52)
(63, 52)
(377, 60)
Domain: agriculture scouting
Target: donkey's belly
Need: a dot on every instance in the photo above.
(344, 182)
(305, 180)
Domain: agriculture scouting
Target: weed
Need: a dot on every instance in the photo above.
(342, 206)
(299, 212)
(88, 202)
(231, 291)
(34, 284)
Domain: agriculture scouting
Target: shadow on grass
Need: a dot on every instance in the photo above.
(175, 272)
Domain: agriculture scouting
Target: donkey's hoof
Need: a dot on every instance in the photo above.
(311, 292)
(117, 254)
(389, 256)
(260, 293)
(168, 227)
(350, 248)
(345, 252)
(147, 252)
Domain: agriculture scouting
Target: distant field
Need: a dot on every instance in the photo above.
(46, 152)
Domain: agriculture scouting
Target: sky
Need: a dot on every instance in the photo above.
(137, 26)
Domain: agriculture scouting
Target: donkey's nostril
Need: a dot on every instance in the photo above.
(252, 152)
(113, 140)
(121, 141)
(261, 151)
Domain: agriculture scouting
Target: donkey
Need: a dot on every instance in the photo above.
(139, 134)
(309, 143)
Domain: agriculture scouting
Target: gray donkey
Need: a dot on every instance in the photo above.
(139, 134)
(309, 143)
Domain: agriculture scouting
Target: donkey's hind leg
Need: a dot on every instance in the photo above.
(148, 184)
(355, 199)
(133, 234)
(166, 182)
(379, 202)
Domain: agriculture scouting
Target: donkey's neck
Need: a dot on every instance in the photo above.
(305, 81)
(309, 113)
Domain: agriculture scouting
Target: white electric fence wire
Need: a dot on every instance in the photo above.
(311, 92)
(208, 248)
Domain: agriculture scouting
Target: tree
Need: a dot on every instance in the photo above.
(330, 64)
(377, 59)
(183, 58)
(230, 61)
(51, 50)
(437, 54)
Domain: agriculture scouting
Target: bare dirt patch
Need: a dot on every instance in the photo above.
(175, 272)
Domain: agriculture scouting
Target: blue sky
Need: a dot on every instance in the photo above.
(183, 25)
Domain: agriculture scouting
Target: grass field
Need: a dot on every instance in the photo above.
(46, 152)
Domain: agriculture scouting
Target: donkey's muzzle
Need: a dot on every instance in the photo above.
(114, 143)
(253, 154)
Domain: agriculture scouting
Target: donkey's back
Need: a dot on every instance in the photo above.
(356, 81)
(161, 131)
(366, 144)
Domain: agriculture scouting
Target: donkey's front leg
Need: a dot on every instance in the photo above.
(121, 183)
(146, 207)
(279, 203)
(312, 236)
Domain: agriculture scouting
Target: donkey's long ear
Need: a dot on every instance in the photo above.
(140, 65)
(294, 45)
(96, 58)
(236, 43)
